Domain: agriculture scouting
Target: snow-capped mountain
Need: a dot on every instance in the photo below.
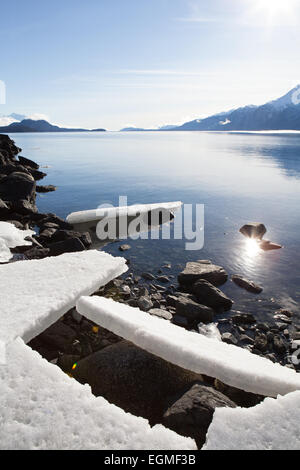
(280, 114)
(7, 120)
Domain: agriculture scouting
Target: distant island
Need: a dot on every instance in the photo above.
(30, 125)
(280, 114)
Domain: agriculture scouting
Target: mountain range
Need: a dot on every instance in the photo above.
(31, 125)
(280, 114)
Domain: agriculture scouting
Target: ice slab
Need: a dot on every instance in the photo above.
(129, 211)
(44, 409)
(271, 425)
(35, 294)
(11, 237)
(232, 365)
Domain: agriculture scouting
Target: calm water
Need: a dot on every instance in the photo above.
(239, 178)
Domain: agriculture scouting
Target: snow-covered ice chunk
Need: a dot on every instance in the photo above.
(271, 425)
(44, 409)
(13, 236)
(35, 294)
(129, 211)
(232, 365)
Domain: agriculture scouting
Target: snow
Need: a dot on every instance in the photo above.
(211, 331)
(112, 212)
(271, 425)
(44, 409)
(11, 237)
(35, 294)
(230, 364)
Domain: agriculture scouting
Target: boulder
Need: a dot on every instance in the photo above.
(266, 245)
(254, 230)
(18, 186)
(133, 379)
(26, 162)
(54, 219)
(145, 303)
(229, 338)
(62, 235)
(191, 414)
(194, 313)
(23, 207)
(196, 270)
(250, 286)
(37, 175)
(68, 246)
(46, 189)
(37, 253)
(58, 337)
(4, 209)
(241, 398)
(158, 312)
(243, 319)
(208, 294)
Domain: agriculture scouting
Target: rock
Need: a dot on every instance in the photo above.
(245, 339)
(124, 247)
(266, 245)
(254, 230)
(194, 271)
(171, 300)
(26, 162)
(193, 312)
(279, 345)
(125, 292)
(4, 209)
(46, 189)
(229, 339)
(59, 337)
(63, 235)
(283, 318)
(53, 218)
(261, 342)
(158, 312)
(148, 276)
(263, 327)
(243, 319)
(192, 413)
(67, 361)
(37, 253)
(18, 186)
(23, 207)
(163, 279)
(250, 286)
(180, 321)
(283, 311)
(241, 398)
(209, 295)
(37, 175)
(145, 303)
(136, 381)
(68, 246)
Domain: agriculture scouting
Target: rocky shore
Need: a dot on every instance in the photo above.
(125, 375)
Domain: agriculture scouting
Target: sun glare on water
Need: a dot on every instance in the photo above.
(252, 247)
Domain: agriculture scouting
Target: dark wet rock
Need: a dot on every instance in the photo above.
(180, 321)
(46, 234)
(163, 279)
(37, 253)
(229, 338)
(245, 339)
(158, 312)
(4, 209)
(191, 414)
(124, 247)
(67, 361)
(263, 327)
(193, 312)
(26, 162)
(244, 283)
(23, 207)
(171, 300)
(261, 342)
(279, 345)
(243, 319)
(49, 188)
(283, 311)
(136, 381)
(38, 175)
(148, 276)
(68, 246)
(241, 398)
(18, 186)
(42, 219)
(125, 292)
(59, 337)
(196, 270)
(282, 318)
(145, 303)
(63, 235)
(209, 295)
(296, 335)
(254, 230)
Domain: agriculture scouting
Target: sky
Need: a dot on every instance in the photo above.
(145, 63)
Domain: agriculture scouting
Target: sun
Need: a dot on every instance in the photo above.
(275, 9)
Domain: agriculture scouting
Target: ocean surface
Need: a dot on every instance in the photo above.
(239, 177)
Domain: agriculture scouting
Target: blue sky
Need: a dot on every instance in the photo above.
(115, 63)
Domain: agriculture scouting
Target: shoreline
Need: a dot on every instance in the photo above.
(73, 338)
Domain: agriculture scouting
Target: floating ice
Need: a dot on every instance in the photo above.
(44, 409)
(232, 365)
(35, 294)
(271, 425)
